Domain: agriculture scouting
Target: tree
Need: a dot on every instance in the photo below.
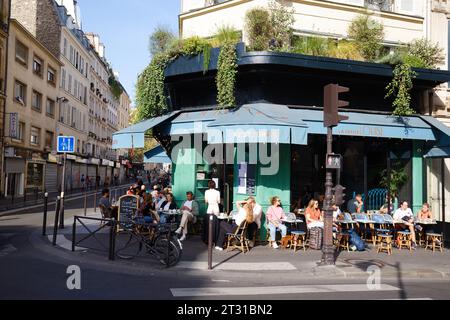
(259, 29)
(161, 40)
(282, 21)
(368, 35)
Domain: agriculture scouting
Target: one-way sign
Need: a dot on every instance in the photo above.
(66, 144)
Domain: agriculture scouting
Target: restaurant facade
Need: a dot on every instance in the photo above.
(273, 143)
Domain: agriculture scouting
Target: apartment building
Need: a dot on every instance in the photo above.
(32, 92)
(4, 30)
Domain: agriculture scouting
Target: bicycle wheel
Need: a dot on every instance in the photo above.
(131, 249)
(168, 251)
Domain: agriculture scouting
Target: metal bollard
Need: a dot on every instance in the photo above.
(112, 239)
(95, 199)
(44, 224)
(74, 233)
(85, 202)
(210, 241)
(61, 211)
(55, 226)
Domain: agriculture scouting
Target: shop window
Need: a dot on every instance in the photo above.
(35, 175)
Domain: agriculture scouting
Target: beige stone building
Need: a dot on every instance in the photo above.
(32, 93)
(403, 20)
(4, 29)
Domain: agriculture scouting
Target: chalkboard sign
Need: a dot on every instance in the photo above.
(128, 205)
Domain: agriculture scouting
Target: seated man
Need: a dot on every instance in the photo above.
(405, 214)
(190, 211)
(356, 204)
(105, 205)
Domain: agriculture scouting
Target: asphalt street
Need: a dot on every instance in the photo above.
(31, 269)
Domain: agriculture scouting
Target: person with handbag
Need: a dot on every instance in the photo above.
(275, 215)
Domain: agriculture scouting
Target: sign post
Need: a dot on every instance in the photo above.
(65, 145)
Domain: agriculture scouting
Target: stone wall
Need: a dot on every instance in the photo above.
(40, 18)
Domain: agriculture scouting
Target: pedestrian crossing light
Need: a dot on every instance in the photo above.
(339, 195)
(332, 105)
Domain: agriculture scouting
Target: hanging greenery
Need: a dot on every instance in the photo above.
(116, 88)
(400, 87)
(226, 75)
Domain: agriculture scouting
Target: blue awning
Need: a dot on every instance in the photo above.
(259, 123)
(157, 155)
(194, 122)
(134, 136)
(370, 125)
(442, 148)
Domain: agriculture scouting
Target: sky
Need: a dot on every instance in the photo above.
(124, 27)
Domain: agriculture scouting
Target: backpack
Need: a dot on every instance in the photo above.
(355, 240)
(315, 238)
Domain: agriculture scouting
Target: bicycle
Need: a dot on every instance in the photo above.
(158, 240)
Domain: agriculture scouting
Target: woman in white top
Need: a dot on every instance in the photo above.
(257, 215)
(212, 199)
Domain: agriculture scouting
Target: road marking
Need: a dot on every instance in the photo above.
(7, 249)
(230, 266)
(63, 242)
(252, 291)
(223, 281)
(411, 299)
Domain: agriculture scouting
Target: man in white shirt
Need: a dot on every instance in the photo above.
(405, 215)
(190, 211)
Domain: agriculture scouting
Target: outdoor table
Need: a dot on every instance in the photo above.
(292, 222)
(347, 223)
(226, 217)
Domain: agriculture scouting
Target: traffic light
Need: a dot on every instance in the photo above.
(332, 105)
(339, 195)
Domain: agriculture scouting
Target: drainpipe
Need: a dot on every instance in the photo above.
(3, 137)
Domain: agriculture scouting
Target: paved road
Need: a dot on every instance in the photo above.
(28, 272)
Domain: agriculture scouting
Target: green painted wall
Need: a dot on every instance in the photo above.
(270, 186)
(184, 175)
(417, 176)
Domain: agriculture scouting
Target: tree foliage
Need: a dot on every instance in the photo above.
(282, 21)
(424, 50)
(400, 87)
(368, 35)
(259, 29)
(160, 40)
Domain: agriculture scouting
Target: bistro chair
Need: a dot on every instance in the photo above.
(434, 241)
(385, 243)
(299, 240)
(379, 228)
(404, 240)
(238, 239)
(105, 213)
(343, 240)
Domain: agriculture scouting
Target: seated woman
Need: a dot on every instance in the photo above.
(167, 205)
(245, 214)
(148, 211)
(425, 212)
(275, 215)
(257, 215)
(314, 217)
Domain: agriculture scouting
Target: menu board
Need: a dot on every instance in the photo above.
(128, 205)
(247, 179)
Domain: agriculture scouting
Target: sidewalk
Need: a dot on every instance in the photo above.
(419, 264)
(38, 199)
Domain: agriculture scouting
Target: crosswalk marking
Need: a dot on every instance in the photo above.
(63, 242)
(243, 266)
(250, 291)
(6, 250)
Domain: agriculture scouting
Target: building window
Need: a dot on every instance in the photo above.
(70, 84)
(37, 66)
(36, 101)
(49, 140)
(71, 55)
(35, 135)
(65, 48)
(63, 79)
(21, 53)
(20, 93)
(50, 108)
(51, 76)
(21, 131)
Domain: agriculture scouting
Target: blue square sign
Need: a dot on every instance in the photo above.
(66, 144)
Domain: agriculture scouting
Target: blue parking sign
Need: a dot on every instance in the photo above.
(66, 144)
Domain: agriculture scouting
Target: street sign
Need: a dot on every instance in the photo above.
(14, 125)
(334, 161)
(66, 144)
